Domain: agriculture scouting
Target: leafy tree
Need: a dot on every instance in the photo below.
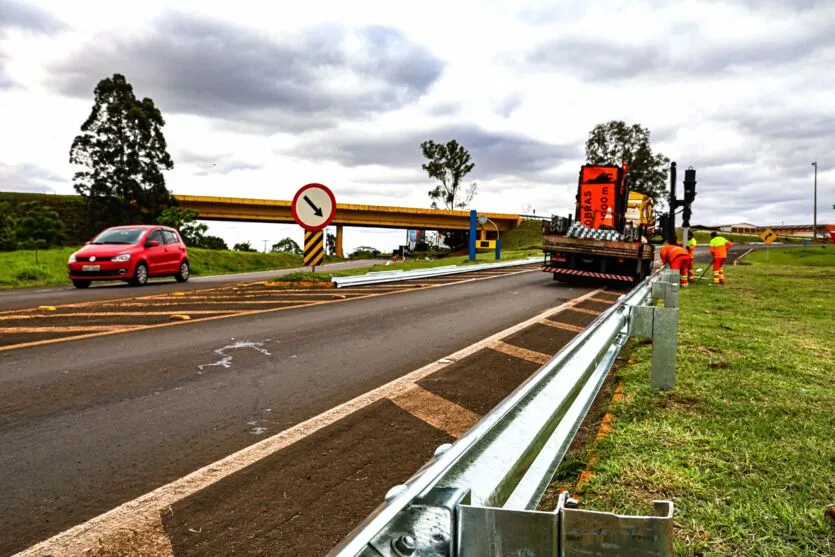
(614, 143)
(8, 227)
(243, 246)
(184, 220)
(40, 226)
(365, 252)
(213, 242)
(287, 245)
(448, 163)
(122, 146)
(330, 244)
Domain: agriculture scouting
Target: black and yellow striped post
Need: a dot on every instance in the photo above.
(314, 248)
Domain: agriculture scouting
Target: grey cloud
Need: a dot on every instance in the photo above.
(595, 59)
(18, 15)
(213, 163)
(210, 68)
(445, 109)
(509, 104)
(599, 59)
(28, 177)
(494, 153)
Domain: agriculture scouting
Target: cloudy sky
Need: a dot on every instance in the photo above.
(261, 98)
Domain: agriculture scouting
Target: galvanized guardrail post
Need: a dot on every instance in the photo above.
(661, 325)
(477, 497)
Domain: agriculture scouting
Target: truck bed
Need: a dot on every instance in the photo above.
(587, 246)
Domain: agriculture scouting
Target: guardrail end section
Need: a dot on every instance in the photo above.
(498, 532)
(425, 528)
(593, 533)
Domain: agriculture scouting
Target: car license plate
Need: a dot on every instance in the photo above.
(91, 267)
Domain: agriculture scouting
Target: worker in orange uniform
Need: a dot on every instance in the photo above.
(719, 248)
(691, 249)
(679, 260)
(665, 250)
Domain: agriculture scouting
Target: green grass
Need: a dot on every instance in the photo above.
(302, 276)
(526, 235)
(821, 256)
(703, 237)
(745, 443)
(19, 269)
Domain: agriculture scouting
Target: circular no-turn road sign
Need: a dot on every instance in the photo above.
(314, 207)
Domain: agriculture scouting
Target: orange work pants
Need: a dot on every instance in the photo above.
(718, 270)
(683, 264)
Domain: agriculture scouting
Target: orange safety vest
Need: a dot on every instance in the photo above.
(691, 245)
(676, 252)
(665, 252)
(719, 247)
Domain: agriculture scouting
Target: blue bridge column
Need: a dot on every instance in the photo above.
(473, 233)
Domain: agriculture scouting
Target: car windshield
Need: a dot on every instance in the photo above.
(119, 236)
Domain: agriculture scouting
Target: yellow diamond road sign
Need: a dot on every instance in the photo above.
(768, 235)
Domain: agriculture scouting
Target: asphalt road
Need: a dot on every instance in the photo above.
(28, 297)
(87, 425)
(703, 255)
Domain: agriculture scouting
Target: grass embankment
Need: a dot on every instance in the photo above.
(527, 235)
(20, 269)
(745, 443)
(820, 256)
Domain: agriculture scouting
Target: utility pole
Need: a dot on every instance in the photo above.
(265, 245)
(815, 202)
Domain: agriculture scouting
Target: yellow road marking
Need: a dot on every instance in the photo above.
(583, 310)
(437, 411)
(71, 329)
(240, 313)
(133, 515)
(563, 326)
(519, 352)
(209, 302)
(49, 316)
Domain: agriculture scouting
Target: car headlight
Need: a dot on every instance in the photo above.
(71, 259)
(122, 257)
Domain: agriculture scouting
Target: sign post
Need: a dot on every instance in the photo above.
(314, 208)
(768, 236)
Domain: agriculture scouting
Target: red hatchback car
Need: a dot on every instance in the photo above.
(132, 254)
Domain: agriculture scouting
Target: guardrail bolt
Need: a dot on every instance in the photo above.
(404, 545)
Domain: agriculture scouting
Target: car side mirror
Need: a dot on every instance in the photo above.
(151, 244)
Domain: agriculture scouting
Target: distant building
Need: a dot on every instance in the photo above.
(739, 228)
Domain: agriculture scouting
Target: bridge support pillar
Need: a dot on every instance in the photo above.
(473, 232)
(339, 241)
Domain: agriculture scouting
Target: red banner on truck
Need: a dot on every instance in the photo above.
(597, 195)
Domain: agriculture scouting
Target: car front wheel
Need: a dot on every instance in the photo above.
(184, 273)
(81, 283)
(140, 275)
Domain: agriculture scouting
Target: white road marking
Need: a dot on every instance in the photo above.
(226, 359)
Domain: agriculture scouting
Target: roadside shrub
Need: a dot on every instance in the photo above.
(31, 273)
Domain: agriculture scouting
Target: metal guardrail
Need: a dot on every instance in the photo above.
(398, 275)
(477, 497)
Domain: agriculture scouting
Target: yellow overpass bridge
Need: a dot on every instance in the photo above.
(371, 216)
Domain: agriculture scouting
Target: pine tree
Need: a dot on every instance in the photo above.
(122, 146)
